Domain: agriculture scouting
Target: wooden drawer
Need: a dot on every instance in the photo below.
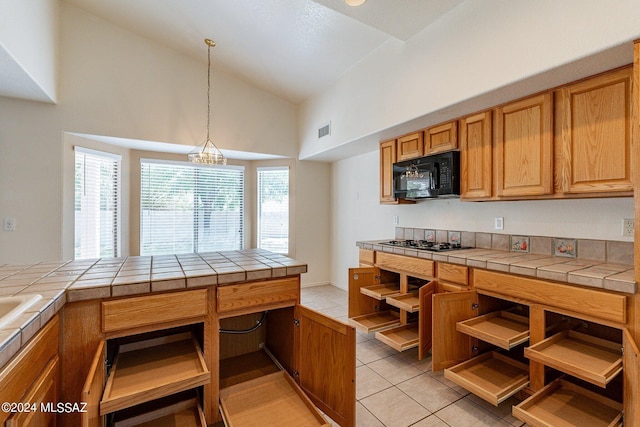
(182, 410)
(501, 328)
(451, 287)
(144, 311)
(562, 403)
(147, 370)
(399, 263)
(367, 257)
(250, 297)
(604, 305)
(273, 399)
(453, 273)
(491, 376)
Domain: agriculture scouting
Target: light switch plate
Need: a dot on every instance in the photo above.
(499, 223)
(9, 224)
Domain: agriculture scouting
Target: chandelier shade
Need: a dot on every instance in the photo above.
(207, 152)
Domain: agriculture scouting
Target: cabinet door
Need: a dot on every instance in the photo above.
(451, 347)
(596, 134)
(44, 391)
(410, 147)
(524, 147)
(358, 302)
(387, 158)
(440, 138)
(425, 319)
(92, 390)
(476, 156)
(631, 371)
(326, 364)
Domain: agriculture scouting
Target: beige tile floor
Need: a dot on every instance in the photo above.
(396, 390)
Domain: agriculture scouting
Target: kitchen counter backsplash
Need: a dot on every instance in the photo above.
(595, 250)
(594, 263)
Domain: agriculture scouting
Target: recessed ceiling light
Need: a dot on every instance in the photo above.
(354, 2)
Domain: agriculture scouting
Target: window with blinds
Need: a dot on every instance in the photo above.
(273, 209)
(97, 204)
(186, 208)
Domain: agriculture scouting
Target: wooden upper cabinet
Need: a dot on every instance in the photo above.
(410, 147)
(595, 122)
(476, 156)
(387, 158)
(439, 138)
(523, 148)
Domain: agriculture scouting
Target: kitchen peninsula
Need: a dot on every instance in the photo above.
(117, 333)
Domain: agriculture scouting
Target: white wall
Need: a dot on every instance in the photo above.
(29, 42)
(481, 46)
(359, 216)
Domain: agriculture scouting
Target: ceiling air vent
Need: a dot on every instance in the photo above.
(324, 130)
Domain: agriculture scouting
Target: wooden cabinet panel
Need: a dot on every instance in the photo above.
(326, 361)
(253, 296)
(367, 257)
(413, 266)
(476, 156)
(18, 376)
(135, 312)
(449, 346)
(44, 391)
(92, 389)
(387, 159)
(453, 273)
(523, 149)
(410, 146)
(425, 319)
(631, 371)
(591, 302)
(596, 134)
(440, 138)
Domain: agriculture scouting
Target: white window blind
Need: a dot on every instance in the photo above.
(186, 208)
(97, 204)
(273, 209)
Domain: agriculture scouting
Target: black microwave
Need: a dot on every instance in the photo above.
(429, 177)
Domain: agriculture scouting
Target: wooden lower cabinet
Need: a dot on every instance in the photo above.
(31, 378)
(486, 343)
(284, 366)
(396, 305)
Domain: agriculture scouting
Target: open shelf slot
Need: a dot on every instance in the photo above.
(400, 338)
(491, 376)
(246, 367)
(562, 403)
(592, 359)
(375, 321)
(154, 368)
(500, 328)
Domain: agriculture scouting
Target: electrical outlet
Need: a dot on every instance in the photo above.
(627, 227)
(499, 223)
(9, 224)
(396, 220)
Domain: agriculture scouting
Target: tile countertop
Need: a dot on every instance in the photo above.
(595, 274)
(70, 281)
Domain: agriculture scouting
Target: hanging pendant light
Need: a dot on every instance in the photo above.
(208, 153)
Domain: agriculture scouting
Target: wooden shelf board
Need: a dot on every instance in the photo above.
(407, 302)
(562, 403)
(273, 399)
(382, 291)
(501, 328)
(589, 358)
(148, 370)
(168, 413)
(246, 367)
(400, 338)
(375, 321)
(491, 376)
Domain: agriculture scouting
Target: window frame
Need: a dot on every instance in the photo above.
(258, 207)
